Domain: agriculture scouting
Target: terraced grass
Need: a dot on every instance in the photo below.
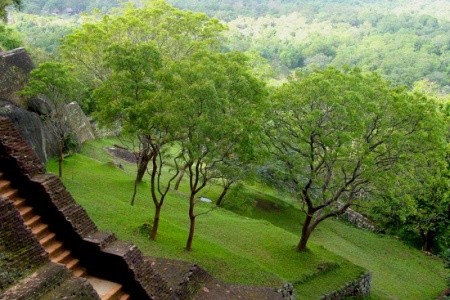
(253, 245)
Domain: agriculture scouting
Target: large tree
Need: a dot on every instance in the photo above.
(220, 103)
(131, 95)
(419, 212)
(339, 136)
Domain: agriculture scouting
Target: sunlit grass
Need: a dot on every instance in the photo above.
(250, 245)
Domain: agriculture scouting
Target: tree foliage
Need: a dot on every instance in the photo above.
(341, 136)
(173, 32)
(219, 102)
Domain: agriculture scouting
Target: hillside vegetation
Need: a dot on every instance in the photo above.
(253, 245)
(407, 41)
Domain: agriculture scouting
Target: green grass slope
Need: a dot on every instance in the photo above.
(252, 247)
(399, 271)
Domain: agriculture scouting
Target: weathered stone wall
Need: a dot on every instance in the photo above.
(358, 219)
(15, 65)
(51, 281)
(21, 252)
(193, 280)
(357, 288)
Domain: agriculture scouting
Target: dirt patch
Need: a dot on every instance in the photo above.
(267, 205)
(122, 153)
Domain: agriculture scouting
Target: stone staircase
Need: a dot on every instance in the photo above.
(58, 253)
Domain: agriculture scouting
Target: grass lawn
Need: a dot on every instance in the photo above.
(250, 246)
(399, 271)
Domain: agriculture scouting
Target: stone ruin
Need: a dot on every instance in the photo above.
(15, 65)
(358, 219)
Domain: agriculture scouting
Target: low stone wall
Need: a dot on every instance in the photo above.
(358, 220)
(357, 288)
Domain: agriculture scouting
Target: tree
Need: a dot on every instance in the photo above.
(131, 96)
(174, 33)
(131, 82)
(419, 213)
(340, 136)
(54, 81)
(220, 102)
(431, 218)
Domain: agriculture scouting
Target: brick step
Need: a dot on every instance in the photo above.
(54, 248)
(19, 202)
(40, 230)
(107, 290)
(72, 264)
(113, 293)
(26, 212)
(8, 193)
(124, 297)
(45, 240)
(79, 271)
(4, 184)
(62, 258)
(33, 221)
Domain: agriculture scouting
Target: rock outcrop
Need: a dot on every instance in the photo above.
(34, 117)
(78, 122)
(39, 134)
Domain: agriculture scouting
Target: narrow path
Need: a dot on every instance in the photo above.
(107, 290)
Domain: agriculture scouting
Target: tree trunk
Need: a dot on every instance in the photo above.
(154, 230)
(192, 223)
(224, 192)
(144, 159)
(134, 192)
(180, 177)
(428, 240)
(306, 232)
